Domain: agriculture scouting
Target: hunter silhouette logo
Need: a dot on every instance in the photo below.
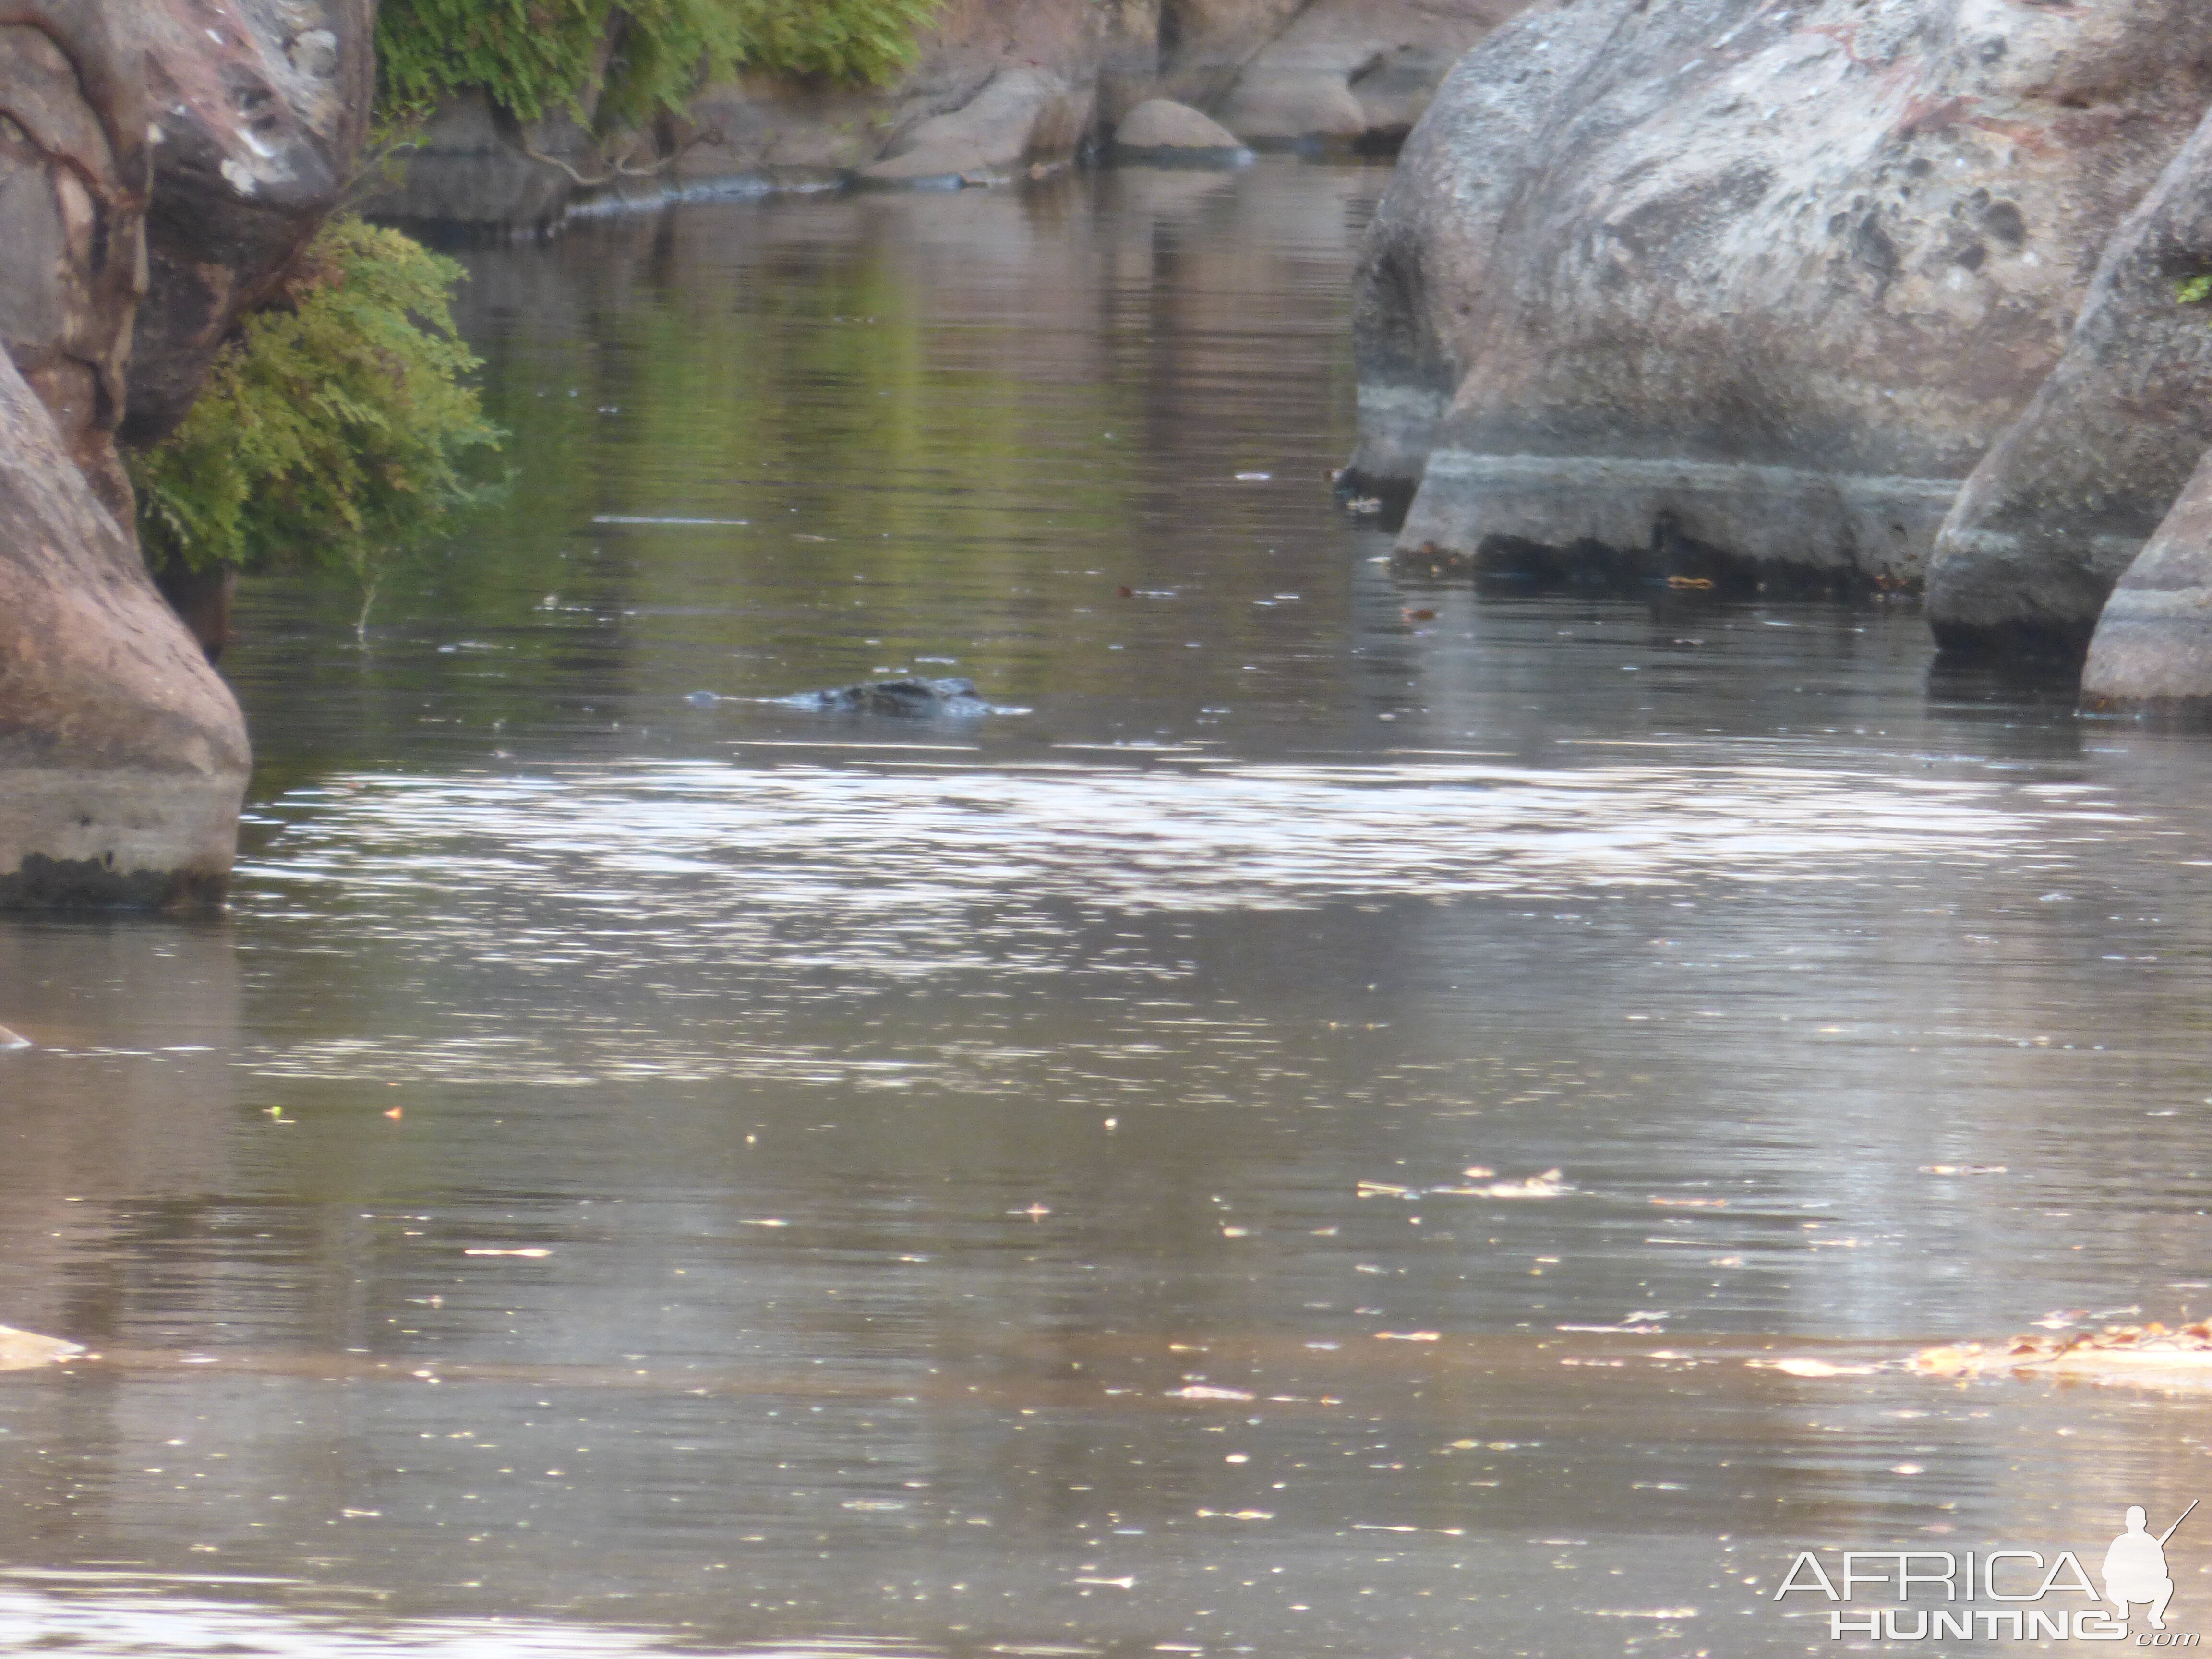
(2135, 1566)
(2001, 1595)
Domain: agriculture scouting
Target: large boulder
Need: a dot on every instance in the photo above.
(2151, 650)
(1749, 288)
(1023, 117)
(1160, 132)
(122, 756)
(1336, 72)
(73, 179)
(2066, 499)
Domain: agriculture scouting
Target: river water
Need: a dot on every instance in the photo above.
(642, 1171)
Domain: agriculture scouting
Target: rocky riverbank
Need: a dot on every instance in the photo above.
(1849, 295)
(1002, 89)
(160, 165)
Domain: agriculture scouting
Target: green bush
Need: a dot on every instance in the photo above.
(331, 432)
(535, 58)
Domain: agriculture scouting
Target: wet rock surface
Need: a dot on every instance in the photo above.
(1718, 282)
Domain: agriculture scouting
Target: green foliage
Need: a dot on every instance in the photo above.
(2194, 290)
(331, 432)
(537, 58)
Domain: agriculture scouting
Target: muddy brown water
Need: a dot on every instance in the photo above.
(639, 1174)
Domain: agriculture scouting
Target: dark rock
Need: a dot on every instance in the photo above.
(473, 164)
(1724, 281)
(906, 696)
(259, 110)
(2069, 493)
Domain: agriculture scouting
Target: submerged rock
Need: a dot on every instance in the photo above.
(902, 696)
(1720, 283)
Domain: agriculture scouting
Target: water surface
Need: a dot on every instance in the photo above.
(637, 1173)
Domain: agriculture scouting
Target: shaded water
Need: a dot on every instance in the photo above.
(634, 1174)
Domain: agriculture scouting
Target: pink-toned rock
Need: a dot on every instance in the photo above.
(123, 756)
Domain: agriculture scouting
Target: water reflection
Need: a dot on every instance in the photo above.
(641, 1176)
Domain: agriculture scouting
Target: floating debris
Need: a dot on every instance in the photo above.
(1962, 1169)
(1253, 477)
(531, 1250)
(2116, 1354)
(1798, 1366)
(1546, 1185)
(1207, 1391)
(1694, 584)
(1693, 1203)
(1409, 1336)
(23, 1351)
(1363, 504)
